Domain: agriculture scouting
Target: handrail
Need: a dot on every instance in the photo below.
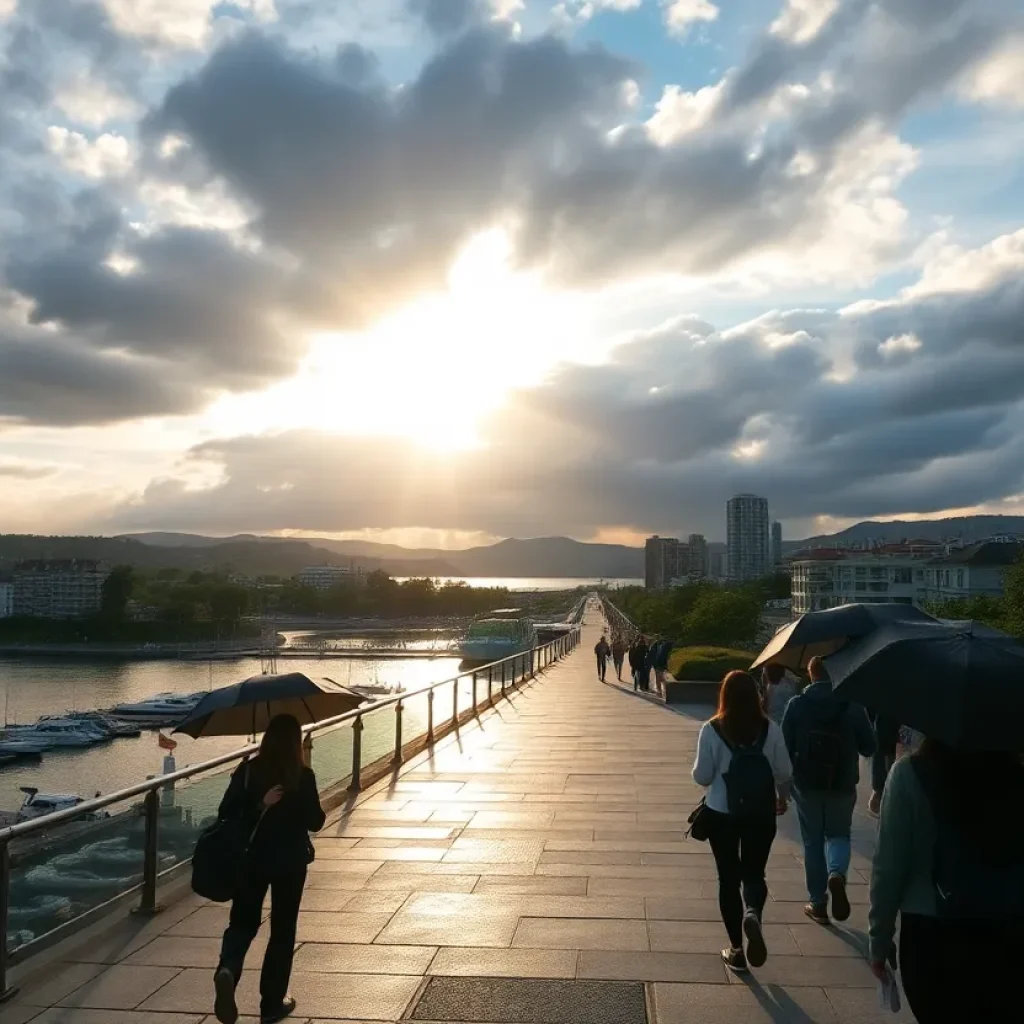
(24, 828)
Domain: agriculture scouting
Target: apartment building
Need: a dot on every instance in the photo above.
(58, 589)
(324, 577)
(746, 527)
(973, 571)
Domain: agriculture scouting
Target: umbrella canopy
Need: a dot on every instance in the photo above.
(247, 707)
(957, 683)
(818, 634)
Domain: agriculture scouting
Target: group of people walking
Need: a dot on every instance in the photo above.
(948, 860)
(645, 659)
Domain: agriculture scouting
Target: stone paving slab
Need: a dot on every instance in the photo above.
(545, 843)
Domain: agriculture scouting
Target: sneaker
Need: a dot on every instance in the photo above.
(735, 960)
(757, 951)
(817, 912)
(224, 1007)
(840, 901)
(286, 1009)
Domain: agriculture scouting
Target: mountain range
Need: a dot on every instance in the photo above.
(537, 557)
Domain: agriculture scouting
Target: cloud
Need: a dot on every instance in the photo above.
(911, 405)
(997, 80)
(23, 469)
(680, 15)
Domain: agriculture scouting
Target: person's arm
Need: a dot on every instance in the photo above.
(789, 727)
(778, 757)
(863, 733)
(891, 865)
(234, 803)
(704, 766)
(312, 811)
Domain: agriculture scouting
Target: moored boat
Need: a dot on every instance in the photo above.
(496, 635)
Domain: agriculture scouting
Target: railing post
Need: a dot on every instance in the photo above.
(490, 685)
(474, 693)
(455, 703)
(503, 679)
(397, 759)
(307, 749)
(430, 718)
(357, 755)
(151, 854)
(6, 992)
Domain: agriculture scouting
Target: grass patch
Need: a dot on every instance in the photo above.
(707, 664)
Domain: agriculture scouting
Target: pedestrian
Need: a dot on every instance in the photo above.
(641, 674)
(778, 688)
(618, 654)
(949, 861)
(824, 737)
(659, 662)
(277, 793)
(652, 652)
(887, 737)
(602, 650)
(743, 764)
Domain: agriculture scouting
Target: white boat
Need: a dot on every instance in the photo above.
(38, 804)
(21, 746)
(58, 732)
(497, 635)
(160, 709)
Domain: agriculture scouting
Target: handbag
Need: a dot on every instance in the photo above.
(698, 822)
(220, 851)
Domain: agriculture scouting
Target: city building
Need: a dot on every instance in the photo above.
(746, 527)
(829, 578)
(6, 600)
(718, 565)
(974, 571)
(323, 577)
(665, 559)
(60, 589)
(776, 544)
(697, 556)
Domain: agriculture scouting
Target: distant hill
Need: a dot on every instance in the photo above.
(965, 528)
(281, 556)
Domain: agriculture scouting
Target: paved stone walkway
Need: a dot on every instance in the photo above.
(544, 842)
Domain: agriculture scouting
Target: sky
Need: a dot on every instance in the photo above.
(442, 271)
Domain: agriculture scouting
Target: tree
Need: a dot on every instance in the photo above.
(1013, 598)
(724, 617)
(117, 589)
(228, 602)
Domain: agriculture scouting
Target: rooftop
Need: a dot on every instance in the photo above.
(984, 553)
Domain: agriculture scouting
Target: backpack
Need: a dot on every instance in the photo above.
(750, 781)
(819, 761)
(977, 875)
(221, 851)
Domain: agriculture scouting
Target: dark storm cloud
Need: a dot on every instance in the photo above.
(676, 422)
(446, 17)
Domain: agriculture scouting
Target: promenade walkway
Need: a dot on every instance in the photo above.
(533, 870)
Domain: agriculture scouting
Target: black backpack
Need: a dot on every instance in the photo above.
(750, 781)
(819, 760)
(977, 874)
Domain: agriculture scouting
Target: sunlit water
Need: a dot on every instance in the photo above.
(31, 687)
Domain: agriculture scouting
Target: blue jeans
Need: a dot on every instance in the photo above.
(825, 820)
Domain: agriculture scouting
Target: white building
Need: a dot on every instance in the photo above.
(58, 589)
(746, 527)
(323, 577)
(6, 600)
(832, 578)
(973, 571)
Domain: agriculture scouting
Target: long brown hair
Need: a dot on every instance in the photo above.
(740, 715)
(280, 757)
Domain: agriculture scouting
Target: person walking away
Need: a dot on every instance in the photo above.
(602, 650)
(618, 654)
(949, 861)
(778, 689)
(887, 738)
(642, 673)
(277, 794)
(652, 651)
(824, 737)
(743, 764)
(659, 661)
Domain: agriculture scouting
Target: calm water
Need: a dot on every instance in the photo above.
(30, 687)
(534, 583)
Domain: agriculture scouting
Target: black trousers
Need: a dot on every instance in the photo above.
(960, 971)
(602, 665)
(741, 856)
(246, 914)
(617, 662)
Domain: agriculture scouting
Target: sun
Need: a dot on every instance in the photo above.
(431, 371)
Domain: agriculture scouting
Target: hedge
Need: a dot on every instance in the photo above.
(707, 664)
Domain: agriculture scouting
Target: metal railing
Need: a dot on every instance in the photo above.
(508, 673)
(618, 622)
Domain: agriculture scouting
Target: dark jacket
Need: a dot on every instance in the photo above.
(817, 705)
(637, 656)
(281, 842)
(660, 653)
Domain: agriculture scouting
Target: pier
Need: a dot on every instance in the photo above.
(529, 868)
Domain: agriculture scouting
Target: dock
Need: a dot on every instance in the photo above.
(530, 869)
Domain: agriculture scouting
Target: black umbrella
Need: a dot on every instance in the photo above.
(817, 634)
(959, 683)
(245, 708)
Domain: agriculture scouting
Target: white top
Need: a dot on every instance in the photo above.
(714, 757)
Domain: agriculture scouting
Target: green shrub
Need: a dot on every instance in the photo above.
(707, 664)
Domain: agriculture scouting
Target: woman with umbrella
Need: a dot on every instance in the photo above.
(277, 794)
